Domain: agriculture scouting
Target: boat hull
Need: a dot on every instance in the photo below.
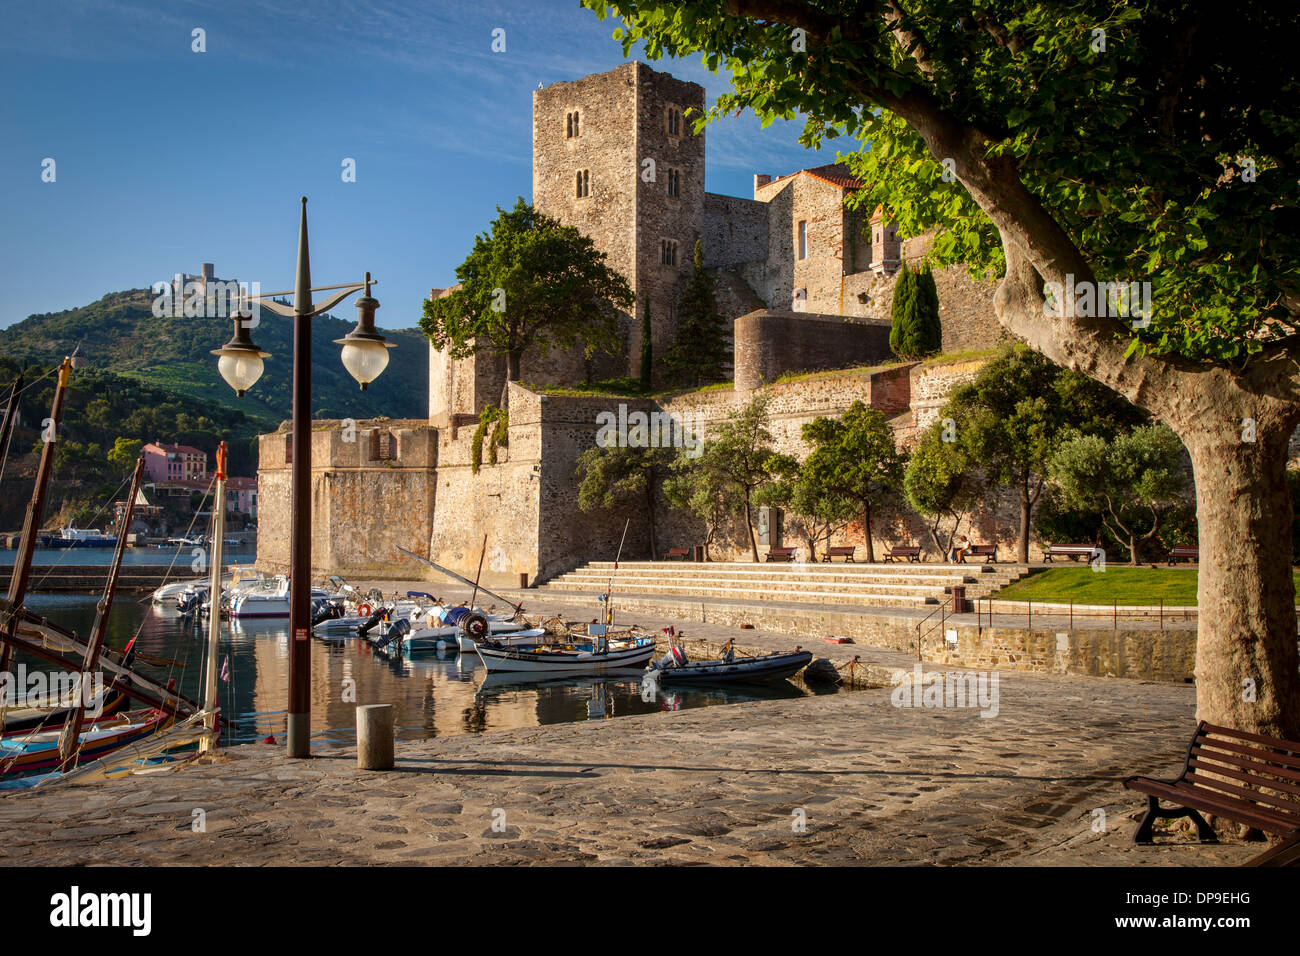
(35, 753)
(754, 670)
(527, 660)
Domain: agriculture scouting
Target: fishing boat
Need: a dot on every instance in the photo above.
(674, 668)
(597, 655)
(71, 537)
(28, 714)
(39, 751)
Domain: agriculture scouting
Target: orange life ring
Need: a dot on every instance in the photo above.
(364, 610)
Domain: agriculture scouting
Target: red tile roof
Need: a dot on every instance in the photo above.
(835, 174)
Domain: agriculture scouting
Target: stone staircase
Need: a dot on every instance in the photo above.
(878, 585)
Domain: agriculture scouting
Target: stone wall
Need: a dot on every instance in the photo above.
(932, 383)
(363, 507)
(734, 230)
(769, 344)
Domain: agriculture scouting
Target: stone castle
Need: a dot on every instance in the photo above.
(805, 280)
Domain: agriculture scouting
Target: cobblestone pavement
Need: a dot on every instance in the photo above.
(866, 782)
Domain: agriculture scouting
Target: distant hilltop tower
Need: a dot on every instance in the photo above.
(614, 155)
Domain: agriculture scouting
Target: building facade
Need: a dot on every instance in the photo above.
(166, 462)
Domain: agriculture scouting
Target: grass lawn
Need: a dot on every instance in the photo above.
(1082, 585)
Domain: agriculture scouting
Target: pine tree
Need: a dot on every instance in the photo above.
(699, 347)
(647, 354)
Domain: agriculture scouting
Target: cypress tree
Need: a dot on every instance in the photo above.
(699, 347)
(915, 330)
(900, 311)
(927, 330)
(647, 356)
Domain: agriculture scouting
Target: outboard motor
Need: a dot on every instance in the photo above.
(395, 634)
(368, 625)
(674, 658)
(323, 611)
(473, 624)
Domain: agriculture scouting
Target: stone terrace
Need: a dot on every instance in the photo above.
(880, 585)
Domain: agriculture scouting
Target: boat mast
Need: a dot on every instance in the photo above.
(609, 608)
(70, 739)
(481, 554)
(214, 603)
(11, 413)
(32, 524)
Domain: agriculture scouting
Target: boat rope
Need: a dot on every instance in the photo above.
(190, 527)
(66, 551)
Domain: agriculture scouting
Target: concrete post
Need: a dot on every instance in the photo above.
(375, 737)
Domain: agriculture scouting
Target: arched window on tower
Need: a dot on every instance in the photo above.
(583, 183)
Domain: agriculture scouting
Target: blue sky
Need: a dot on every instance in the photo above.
(167, 158)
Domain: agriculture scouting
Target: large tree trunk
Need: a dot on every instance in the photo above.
(1247, 664)
(866, 531)
(1026, 511)
(749, 526)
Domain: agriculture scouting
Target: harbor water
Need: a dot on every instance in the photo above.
(436, 695)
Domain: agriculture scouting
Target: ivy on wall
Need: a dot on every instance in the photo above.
(493, 425)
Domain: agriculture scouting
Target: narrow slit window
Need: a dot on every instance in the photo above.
(583, 183)
(674, 183)
(803, 238)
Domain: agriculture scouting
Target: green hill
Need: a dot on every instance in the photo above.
(120, 334)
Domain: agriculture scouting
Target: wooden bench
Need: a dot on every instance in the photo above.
(673, 554)
(911, 552)
(840, 551)
(781, 554)
(988, 551)
(1251, 763)
(1190, 551)
(1072, 551)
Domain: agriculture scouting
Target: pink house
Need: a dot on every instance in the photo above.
(163, 462)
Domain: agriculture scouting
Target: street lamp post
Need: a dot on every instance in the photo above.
(365, 356)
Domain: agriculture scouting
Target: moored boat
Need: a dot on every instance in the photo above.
(598, 656)
(675, 668)
(36, 752)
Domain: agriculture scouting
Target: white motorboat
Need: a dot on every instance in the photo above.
(267, 601)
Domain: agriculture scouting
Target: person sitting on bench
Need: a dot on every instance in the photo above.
(959, 552)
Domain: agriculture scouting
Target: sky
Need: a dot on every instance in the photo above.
(165, 158)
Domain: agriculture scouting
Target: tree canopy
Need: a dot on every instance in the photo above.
(529, 282)
(854, 457)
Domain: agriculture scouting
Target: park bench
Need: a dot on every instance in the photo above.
(674, 554)
(840, 551)
(911, 552)
(1190, 551)
(781, 554)
(988, 551)
(1252, 764)
(1072, 551)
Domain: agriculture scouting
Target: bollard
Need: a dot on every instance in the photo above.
(375, 737)
(523, 580)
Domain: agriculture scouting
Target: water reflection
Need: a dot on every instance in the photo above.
(439, 694)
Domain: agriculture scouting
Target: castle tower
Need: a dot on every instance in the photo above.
(885, 246)
(614, 154)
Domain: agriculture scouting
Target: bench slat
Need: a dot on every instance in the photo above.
(1194, 764)
(1252, 765)
(1233, 805)
(1282, 805)
(1198, 798)
(1277, 742)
